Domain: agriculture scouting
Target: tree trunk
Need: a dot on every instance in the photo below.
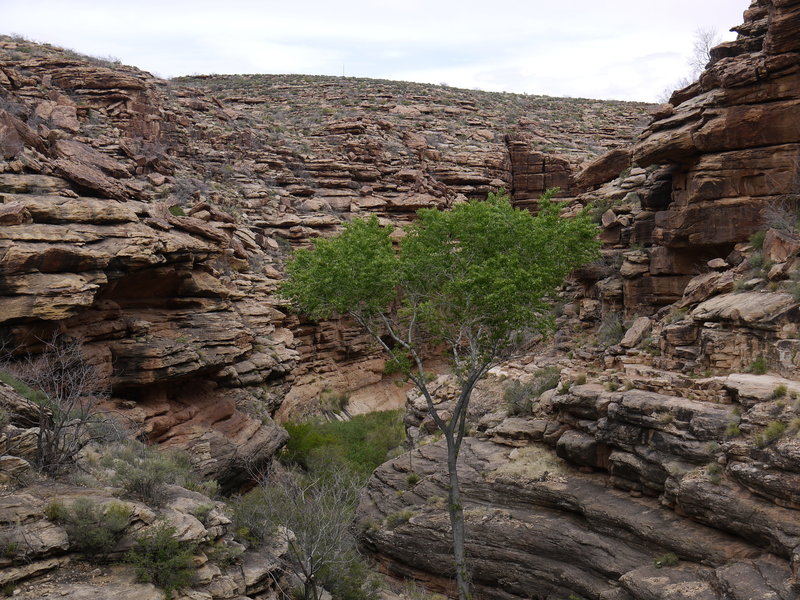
(456, 512)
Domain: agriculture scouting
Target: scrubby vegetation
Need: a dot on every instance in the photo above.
(361, 443)
(519, 397)
(94, 528)
(145, 472)
(160, 558)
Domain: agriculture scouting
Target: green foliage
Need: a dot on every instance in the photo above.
(361, 443)
(356, 270)
(771, 432)
(612, 329)
(714, 472)
(395, 519)
(757, 240)
(732, 429)
(145, 471)
(177, 211)
(412, 479)
(519, 397)
(223, 555)
(22, 388)
(670, 559)
(163, 560)
(94, 529)
(758, 366)
(483, 266)
(780, 391)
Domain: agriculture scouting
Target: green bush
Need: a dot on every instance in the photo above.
(519, 397)
(361, 443)
(94, 529)
(670, 559)
(144, 471)
(771, 432)
(758, 366)
(396, 519)
(612, 329)
(757, 240)
(780, 391)
(732, 429)
(222, 555)
(251, 517)
(163, 560)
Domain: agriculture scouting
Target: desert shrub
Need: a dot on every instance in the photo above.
(612, 329)
(177, 211)
(670, 559)
(756, 259)
(144, 471)
(313, 515)
(757, 240)
(780, 391)
(732, 429)
(163, 560)
(519, 397)
(362, 443)
(758, 366)
(94, 529)
(333, 402)
(68, 391)
(771, 432)
(714, 472)
(223, 555)
(412, 479)
(396, 519)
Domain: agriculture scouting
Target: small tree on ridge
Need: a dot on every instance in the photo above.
(474, 280)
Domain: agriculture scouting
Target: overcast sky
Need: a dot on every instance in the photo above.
(621, 49)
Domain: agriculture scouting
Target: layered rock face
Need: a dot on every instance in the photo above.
(35, 545)
(168, 306)
(637, 494)
(150, 220)
(672, 473)
(713, 164)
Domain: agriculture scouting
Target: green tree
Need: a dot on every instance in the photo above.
(475, 279)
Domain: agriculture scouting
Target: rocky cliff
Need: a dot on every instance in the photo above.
(664, 466)
(149, 219)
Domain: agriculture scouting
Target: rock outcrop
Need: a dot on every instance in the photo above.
(150, 219)
(670, 471)
(671, 486)
(36, 547)
(717, 164)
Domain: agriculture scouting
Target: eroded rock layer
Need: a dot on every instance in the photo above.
(717, 164)
(150, 219)
(665, 465)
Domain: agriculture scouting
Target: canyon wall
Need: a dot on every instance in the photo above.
(150, 220)
(665, 464)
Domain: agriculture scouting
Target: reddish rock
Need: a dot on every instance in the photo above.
(602, 169)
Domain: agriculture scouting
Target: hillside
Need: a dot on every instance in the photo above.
(148, 222)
